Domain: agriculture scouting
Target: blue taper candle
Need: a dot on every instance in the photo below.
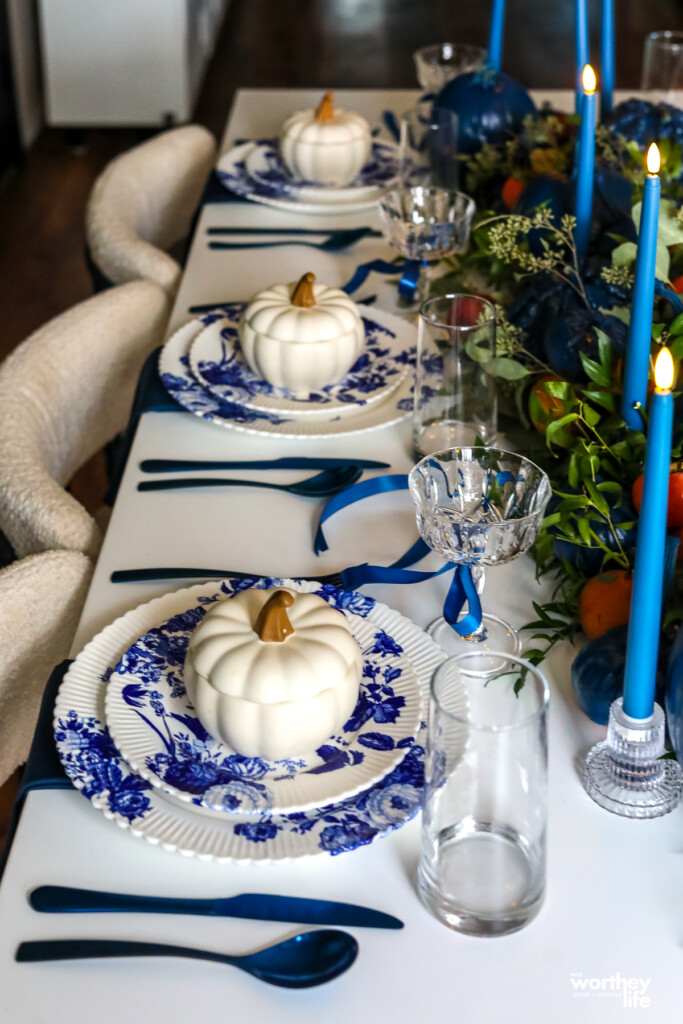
(496, 29)
(640, 327)
(640, 673)
(607, 57)
(581, 47)
(583, 209)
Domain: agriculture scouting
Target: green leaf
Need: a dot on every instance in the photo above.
(554, 431)
(508, 369)
(597, 373)
(605, 349)
(476, 353)
(591, 416)
(676, 325)
(624, 255)
(662, 262)
(618, 312)
(602, 398)
(551, 520)
(584, 531)
(669, 231)
(573, 472)
(596, 497)
(557, 388)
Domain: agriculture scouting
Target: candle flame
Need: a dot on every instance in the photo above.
(664, 370)
(653, 159)
(588, 79)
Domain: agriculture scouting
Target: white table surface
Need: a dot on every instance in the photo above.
(614, 907)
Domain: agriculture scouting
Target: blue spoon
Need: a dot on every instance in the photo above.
(302, 961)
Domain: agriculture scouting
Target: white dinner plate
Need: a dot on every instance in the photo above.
(156, 729)
(264, 166)
(181, 384)
(232, 173)
(96, 767)
(217, 362)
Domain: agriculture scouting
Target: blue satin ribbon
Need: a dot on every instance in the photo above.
(407, 286)
(666, 293)
(390, 122)
(361, 273)
(462, 590)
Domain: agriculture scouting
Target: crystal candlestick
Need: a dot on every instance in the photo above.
(626, 774)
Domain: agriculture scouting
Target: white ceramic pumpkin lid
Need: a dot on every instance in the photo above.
(303, 312)
(236, 649)
(326, 125)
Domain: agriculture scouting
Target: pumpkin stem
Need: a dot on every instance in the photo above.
(325, 111)
(302, 295)
(273, 625)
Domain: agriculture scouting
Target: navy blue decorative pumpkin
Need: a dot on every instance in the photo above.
(598, 673)
(490, 106)
(573, 332)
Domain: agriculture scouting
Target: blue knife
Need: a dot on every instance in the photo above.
(60, 899)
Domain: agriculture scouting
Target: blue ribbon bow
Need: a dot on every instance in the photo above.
(462, 590)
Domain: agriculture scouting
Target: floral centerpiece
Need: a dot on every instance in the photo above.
(562, 332)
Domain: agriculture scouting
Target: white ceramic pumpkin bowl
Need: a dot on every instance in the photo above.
(301, 343)
(325, 146)
(267, 697)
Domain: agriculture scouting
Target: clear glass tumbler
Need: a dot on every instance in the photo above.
(454, 402)
(437, 64)
(482, 857)
(663, 62)
(428, 147)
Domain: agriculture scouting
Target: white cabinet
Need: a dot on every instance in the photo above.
(125, 62)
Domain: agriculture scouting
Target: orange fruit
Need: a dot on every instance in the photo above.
(674, 513)
(677, 285)
(544, 408)
(512, 190)
(605, 602)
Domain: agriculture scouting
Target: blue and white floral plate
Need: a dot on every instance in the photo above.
(182, 385)
(216, 360)
(264, 166)
(232, 172)
(96, 767)
(155, 727)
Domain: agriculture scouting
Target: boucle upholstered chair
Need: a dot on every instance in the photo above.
(64, 393)
(41, 598)
(142, 204)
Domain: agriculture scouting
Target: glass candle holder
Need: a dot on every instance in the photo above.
(426, 224)
(482, 855)
(454, 399)
(663, 62)
(428, 148)
(437, 64)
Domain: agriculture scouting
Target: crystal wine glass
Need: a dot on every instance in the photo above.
(426, 224)
(438, 64)
(478, 507)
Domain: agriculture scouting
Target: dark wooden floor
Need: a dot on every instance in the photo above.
(277, 43)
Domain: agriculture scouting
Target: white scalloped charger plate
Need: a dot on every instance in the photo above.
(156, 729)
(179, 381)
(217, 362)
(96, 767)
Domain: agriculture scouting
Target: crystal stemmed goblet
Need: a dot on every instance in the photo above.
(477, 507)
(437, 64)
(426, 224)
